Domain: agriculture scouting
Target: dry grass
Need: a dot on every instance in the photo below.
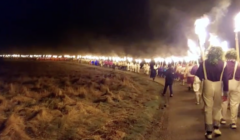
(64, 101)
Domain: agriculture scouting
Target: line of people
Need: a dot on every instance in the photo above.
(181, 72)
(216, 82)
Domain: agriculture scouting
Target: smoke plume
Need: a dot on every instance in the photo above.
(217, 13)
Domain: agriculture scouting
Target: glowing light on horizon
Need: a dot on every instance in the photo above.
(147, 60)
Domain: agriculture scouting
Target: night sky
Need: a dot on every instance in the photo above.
(134, 27)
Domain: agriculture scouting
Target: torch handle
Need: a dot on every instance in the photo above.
(209, 47)
(202, 52)
(201, 49)
(237, 45)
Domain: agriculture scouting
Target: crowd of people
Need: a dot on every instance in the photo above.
(220, 83)
(215, 81)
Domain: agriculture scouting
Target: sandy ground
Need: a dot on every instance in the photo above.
(68, 101)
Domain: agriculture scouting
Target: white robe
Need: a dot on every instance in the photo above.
(147, 69)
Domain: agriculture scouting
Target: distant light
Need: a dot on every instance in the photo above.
(147, 60)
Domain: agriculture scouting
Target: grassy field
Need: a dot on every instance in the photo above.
(67, 101)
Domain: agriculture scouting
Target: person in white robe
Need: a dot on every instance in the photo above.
(183, 77)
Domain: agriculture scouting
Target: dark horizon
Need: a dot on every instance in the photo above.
(135, 27)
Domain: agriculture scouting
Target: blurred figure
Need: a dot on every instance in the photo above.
(169, 80)
(92, 62)
(141, 65)
(178, 72)
(153, 70)
(146, 68)
(138, 67)
(160, 71)
(234, 89)
(190, 76)
(96, 63)
(100, 63)
(213, 73)
(134, 67)
(183, 75)
(128, 66)
(131, 66)
(197, 88)
(197, 84)
(114, 65)
(176, 67)
(164, 70)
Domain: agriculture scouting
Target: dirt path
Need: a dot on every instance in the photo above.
(183, 119)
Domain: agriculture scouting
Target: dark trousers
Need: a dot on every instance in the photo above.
(170, 88)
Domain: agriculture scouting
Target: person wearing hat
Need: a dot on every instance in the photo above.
(213, 73)
(234, 89)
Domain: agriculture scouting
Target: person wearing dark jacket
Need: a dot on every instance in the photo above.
(153, 70)
(169, 80)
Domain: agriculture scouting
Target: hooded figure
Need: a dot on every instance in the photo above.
(213, 73)
(234, 89)
(169, 80)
